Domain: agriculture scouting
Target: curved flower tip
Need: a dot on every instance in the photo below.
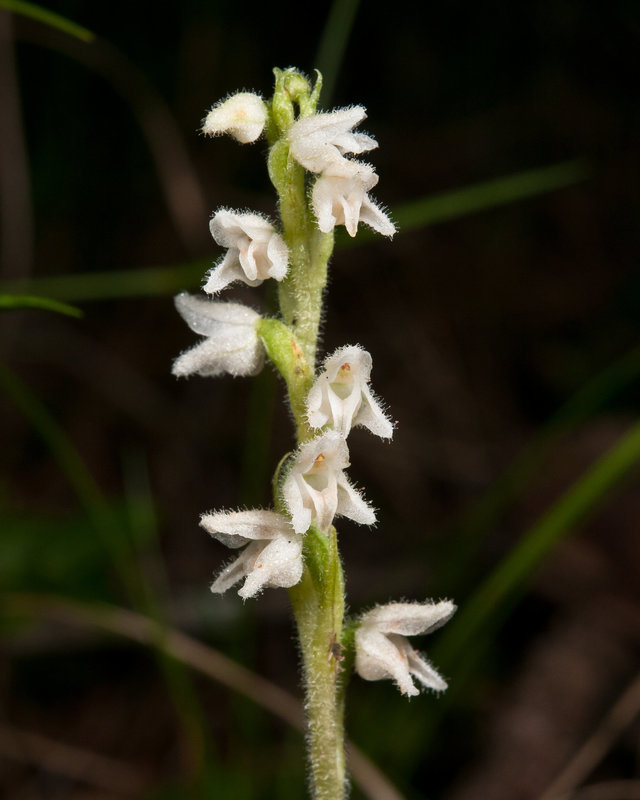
(316, 488)
(382, 651)
(255, 251)
(242, 116)
(272, 557)
(320, 141)
(341, 396)
(231, 344)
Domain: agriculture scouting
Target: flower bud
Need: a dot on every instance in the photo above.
(242, 116)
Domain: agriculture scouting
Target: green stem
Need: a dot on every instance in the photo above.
(300, 293)
(318, 606)
(291, 344)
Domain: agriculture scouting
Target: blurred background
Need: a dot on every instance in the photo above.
(503, 323)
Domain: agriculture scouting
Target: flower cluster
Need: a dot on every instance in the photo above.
(340, 193)
(313, 487)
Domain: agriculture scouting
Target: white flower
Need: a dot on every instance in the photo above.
(383, 652)
(341, 395)
(316, 488)
(242, 115)
(232, 344)
(339, 200)
(273, 556)
(255, 251)
(320, 141)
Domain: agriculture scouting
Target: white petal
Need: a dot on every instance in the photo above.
(318, 410)
(410, 619)
(236, 528)
(371, 416)
(242, 115)
(229, 228)
(378, 658)
(240, 354)
(207, 317)
(352, 505)
(238, 569)
(320, 141)
(292, 493)
(373, 216)
(225, 272)
(278, 255)
(422, 669)
(279, 564)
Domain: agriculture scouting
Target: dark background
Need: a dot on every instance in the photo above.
(482, 329)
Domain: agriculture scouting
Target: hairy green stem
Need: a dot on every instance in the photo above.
(318, 606)
(291, 344)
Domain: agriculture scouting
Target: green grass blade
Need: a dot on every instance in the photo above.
(20, 301)
(467, 534)
(80, 479)
(161, 281)
(333, 44)
(126, 283)
(490, 194)
(48, 18)
(508, 578)
(152, 577)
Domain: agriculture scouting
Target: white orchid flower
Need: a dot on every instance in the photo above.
(342, 398)
(382, 650)
(319, 141)
(317, 490)
(255, 251)
(242, 116)
(272, 558)
(339, 200)
(232, 344)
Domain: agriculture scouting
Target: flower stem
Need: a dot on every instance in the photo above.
(291, 343)
(318, 605)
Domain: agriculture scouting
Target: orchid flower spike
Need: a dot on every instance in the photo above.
(343, 200)
(316, 488)
(342, 398)
(273, 556)
(382, 651)
(232, 344)
(319, 141)
(255, 251)
(242, 116)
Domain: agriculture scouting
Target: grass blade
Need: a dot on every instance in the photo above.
(47, 17)
(333, 44)
(20, 301)
(510, 575)
(489, 194)
(200, 657)
(161, 281)
(80, 479)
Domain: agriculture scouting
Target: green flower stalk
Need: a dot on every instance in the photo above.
(294, 545)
